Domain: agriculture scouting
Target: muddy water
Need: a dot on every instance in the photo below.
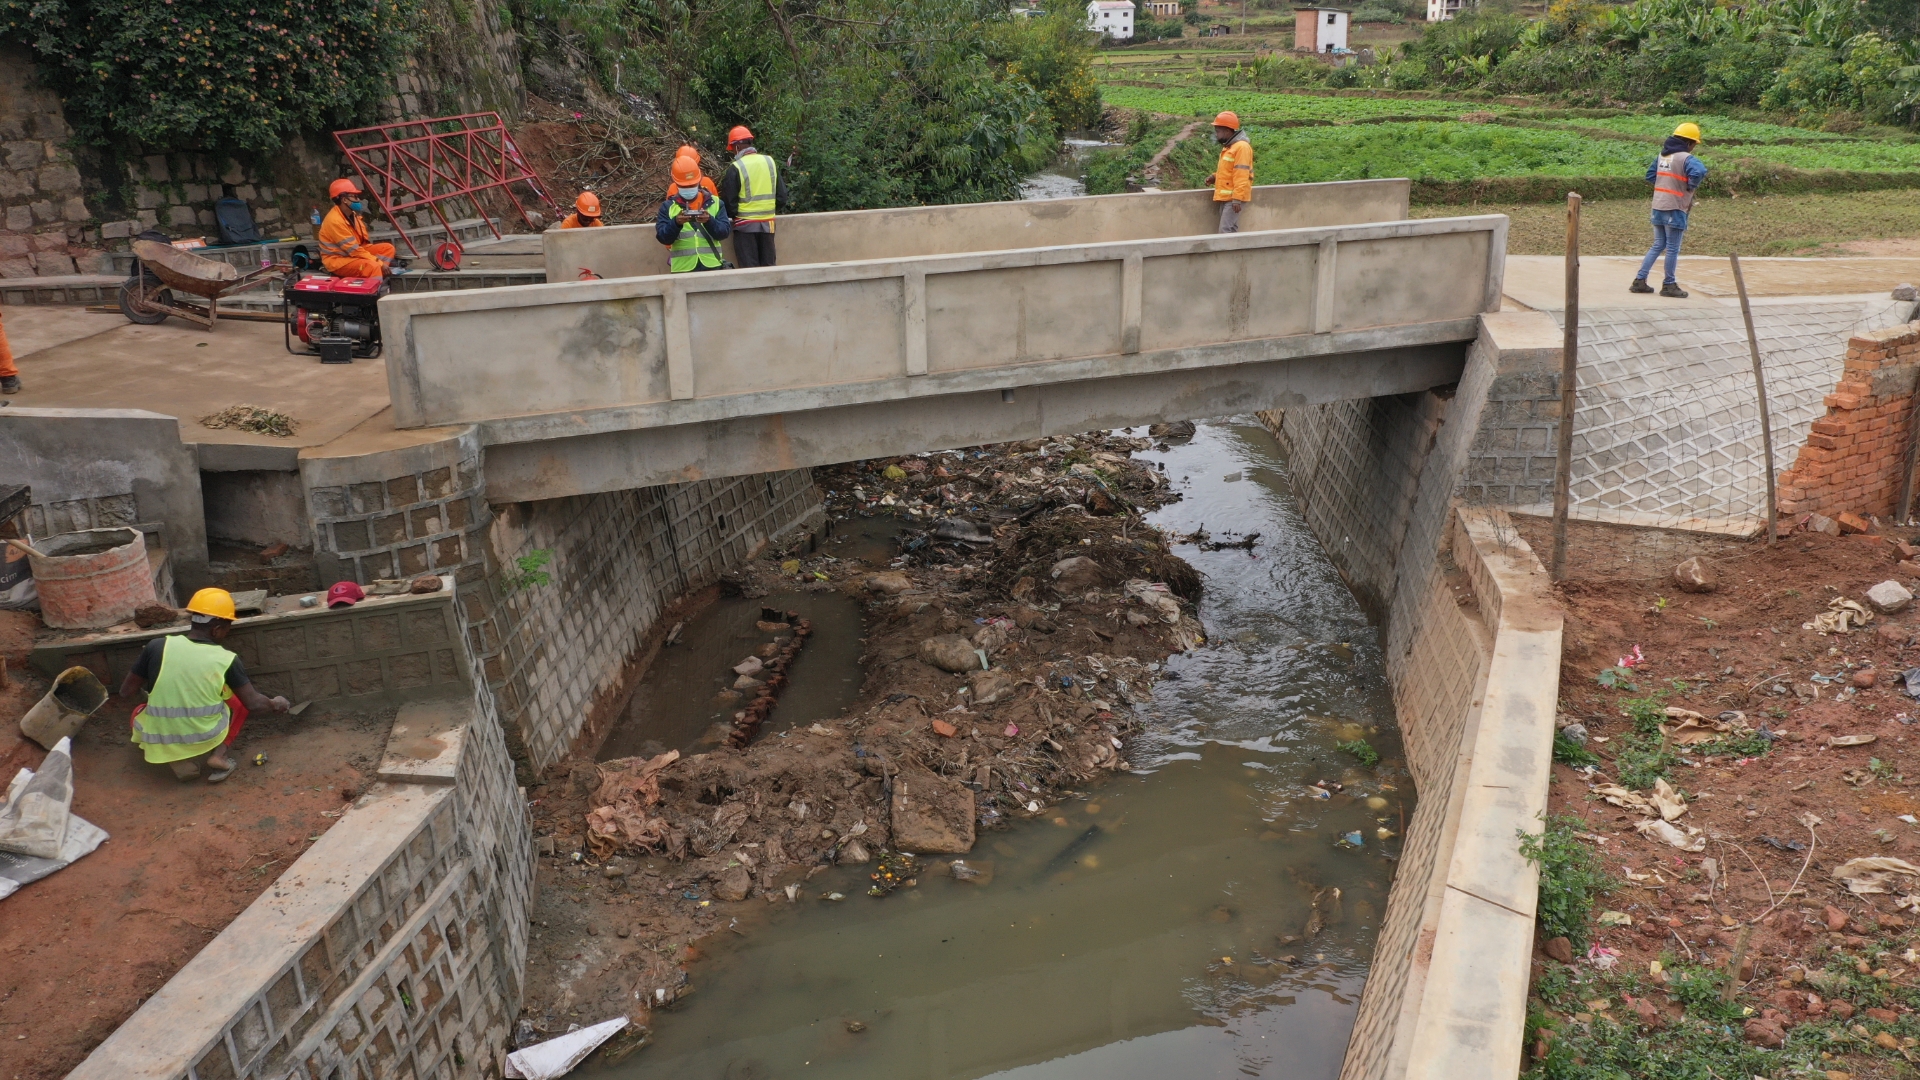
(1142, 931)
(1065, 178)
(685, 701)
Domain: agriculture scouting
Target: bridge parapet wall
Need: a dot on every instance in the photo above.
(618, 251)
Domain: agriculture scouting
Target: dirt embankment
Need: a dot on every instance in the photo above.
(1031, 557)
(1814, 768)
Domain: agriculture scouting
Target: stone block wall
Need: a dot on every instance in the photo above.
(617, 560)
(1513, 450)
(1855, 456)
(44, 215)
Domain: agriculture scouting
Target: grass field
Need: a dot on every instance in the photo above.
(1255, 105)
(1764, 225)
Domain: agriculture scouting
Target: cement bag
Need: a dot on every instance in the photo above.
(34, 820)
(17, 870)
(17, 591)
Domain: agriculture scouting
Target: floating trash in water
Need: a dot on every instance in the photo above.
(1353, 839)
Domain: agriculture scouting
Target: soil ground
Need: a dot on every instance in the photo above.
(1883, 223)
(925, 758)
(81, 949)
(1832, 969)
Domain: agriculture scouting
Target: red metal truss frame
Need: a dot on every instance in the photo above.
(412, 164)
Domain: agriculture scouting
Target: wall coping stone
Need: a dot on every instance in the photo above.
(185, 1017)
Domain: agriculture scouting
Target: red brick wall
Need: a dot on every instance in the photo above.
(1853, 458)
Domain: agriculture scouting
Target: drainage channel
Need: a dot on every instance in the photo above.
(1210, 914)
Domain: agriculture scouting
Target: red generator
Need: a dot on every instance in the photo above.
(337, 318)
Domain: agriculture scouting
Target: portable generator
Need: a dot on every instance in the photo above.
(337, 318)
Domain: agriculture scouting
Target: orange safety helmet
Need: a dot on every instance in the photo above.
(588, 204)
(738, 135)
(341, 187)
(686, 170)
(1227, 120)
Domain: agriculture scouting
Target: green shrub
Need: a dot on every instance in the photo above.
(1360, 749)
(1568, 752)
(1571, 877)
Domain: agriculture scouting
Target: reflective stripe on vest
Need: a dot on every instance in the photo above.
(188, 703)
(1670, 183)
(759, 179)
(692, 248)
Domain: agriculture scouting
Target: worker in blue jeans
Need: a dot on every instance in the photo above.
(1675, 175)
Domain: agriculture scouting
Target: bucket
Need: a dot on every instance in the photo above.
(93, 578)
(76, 695)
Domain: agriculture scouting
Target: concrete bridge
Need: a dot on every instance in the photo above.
(893, 331)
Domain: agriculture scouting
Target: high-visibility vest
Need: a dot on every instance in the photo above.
(759, 179)
(693, 248)
(1670, 182)
(341, 235)
(186, 713)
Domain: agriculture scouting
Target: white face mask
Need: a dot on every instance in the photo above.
(689, 192)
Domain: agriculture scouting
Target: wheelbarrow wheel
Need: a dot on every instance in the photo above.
(135, 310)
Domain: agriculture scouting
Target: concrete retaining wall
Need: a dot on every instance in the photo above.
(844, 236)
(394, 946)
(1475, 678)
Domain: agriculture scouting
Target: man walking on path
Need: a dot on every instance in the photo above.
(198, 694)
(1675, 175)
(755, 191)
(1233, 177)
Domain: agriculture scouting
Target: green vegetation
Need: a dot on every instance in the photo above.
(876, 102)
(1360, 749)
(1568, 752)
(1255, 106)
(1571, 877)
(529, 571)
(1799, 224)
(208, 75)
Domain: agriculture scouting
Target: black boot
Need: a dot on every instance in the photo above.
(1640, 285)
(9, 384)
(1673, 289)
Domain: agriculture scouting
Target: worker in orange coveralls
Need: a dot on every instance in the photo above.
(9, 374)
(344, 248)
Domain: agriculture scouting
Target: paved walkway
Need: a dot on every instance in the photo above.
(1539, 281)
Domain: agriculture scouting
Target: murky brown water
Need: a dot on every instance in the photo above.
(1143, 935)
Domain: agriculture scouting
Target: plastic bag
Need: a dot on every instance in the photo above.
(34, 820)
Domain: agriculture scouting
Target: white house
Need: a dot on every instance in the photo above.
(1320, 29)
(1442, 10)
(1113, 18)
(1163, 9)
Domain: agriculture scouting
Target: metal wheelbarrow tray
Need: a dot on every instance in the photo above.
(148, 297)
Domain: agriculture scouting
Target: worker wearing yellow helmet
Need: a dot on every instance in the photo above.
(1675, 175)
(198, 694)
(1233, 176)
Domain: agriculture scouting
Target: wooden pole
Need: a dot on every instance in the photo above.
(1569, 383)
(1760, 396)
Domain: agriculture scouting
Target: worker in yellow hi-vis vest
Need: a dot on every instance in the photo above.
(755, 192)
(198, 694)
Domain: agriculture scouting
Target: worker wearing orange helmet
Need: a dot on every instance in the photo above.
(1233, 176)
(198, 693)
(586, 213)
(344, 247)
(756, 191)
(692, 221)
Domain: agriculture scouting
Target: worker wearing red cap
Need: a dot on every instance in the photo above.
(692, 221)
(344, 247)
(586, 213)
(755, 190)
(1233, 176)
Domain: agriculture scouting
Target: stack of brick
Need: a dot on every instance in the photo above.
(1854, 456)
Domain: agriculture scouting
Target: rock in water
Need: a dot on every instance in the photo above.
(1695, 576)
(733, 883)
(950, 652)
(932, 815)
(1889, 597)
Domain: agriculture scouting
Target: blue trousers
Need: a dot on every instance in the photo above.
(1667, 234)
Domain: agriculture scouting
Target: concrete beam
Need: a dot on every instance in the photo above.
(619, 251)
(573, 358)
(618, 455)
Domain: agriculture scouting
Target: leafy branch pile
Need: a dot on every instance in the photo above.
(212, 75)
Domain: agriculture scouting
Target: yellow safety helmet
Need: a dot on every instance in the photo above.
(1688, 130)
(215, 603)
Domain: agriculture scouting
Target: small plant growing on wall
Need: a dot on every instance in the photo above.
(529, 572)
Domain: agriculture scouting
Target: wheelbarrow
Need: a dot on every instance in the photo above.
(149, 296)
